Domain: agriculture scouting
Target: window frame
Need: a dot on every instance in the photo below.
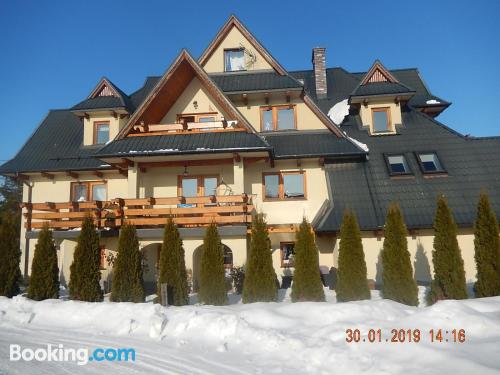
(282, 254)
(234, 49)
(102, 257)
(97, 124)
(389, 169)
(89, 184)
(441, 171)
(275, 109)
(281, 187)
(389, 126)
(227, 265)
(197, 116)
(200, 188)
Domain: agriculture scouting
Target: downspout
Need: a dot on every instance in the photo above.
(26, 239)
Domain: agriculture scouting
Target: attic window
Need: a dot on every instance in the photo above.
(397, 165)
(381, 120)
(429, 162)
(234, 59)
(101, 132)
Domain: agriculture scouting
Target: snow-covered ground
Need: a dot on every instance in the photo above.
(260, 338)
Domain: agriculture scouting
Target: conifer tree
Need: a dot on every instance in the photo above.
(352, 283)
(85, 273)
(127, 285)
(212, 274)
(487, 250)
(173, 266)
(306, 285)
(260, 278)
(398, 283)
(44, 279)
(449, 274)
(10, 257)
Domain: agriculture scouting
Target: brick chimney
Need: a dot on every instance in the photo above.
(319, 65)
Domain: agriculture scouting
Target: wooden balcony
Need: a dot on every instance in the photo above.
(142, 212)
(189, 127)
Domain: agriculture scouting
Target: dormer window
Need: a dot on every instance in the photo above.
(429, 162)
(397, 165)
(281, 117)
(234, 59)
(381, 119)
(101, 132)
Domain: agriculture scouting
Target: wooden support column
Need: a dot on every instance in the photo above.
(238, 176)
(133, 181)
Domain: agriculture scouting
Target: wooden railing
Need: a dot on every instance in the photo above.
(142, 212)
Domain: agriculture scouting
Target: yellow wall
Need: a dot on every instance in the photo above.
(306, 119)
(288, 211)
(366, 113)
(234, 39)
(115, 125)
(184, 104)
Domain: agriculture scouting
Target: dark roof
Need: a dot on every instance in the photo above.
(341, 84)
(472, 165)
(235, 82)
(55, 145)
(107, 102)
(185, 144)
(310, 144)
(381, 88)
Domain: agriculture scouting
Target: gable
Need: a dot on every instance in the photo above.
(234, 35)
(194, 100)
(378, 73)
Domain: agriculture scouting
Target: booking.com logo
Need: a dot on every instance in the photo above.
(82, 356)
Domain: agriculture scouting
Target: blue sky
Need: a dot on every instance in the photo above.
(52, 53)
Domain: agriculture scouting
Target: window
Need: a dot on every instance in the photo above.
(101, 132)
(284, 185)
(228, 257)
(234, 60)
(287, 253)
(88, 191)
(197, 186)
(397, 165)
(381, 119)
(282, 117)
(196, 117)
(429, 162)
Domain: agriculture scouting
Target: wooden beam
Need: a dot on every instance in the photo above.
(98, 174)
(244, 97)
(86, 115)
(115, 115)
(287, 95)
(321, 162)
(73, 175)
(48, 175)
(266, 97)
(168, 132)
(236, 157)
(22, 177)
(123, 172)
(185, 163)
(128, 162)
(248, 161)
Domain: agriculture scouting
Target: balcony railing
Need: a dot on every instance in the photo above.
(142, 212)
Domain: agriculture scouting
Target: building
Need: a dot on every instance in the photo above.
(233, 133)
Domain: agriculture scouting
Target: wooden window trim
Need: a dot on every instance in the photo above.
(275, 109)
(89, 184)
(389, 126)
(282, 255)
(201, 183)
(224, 59)
(281, 191)
(197, 116)
(97, 124)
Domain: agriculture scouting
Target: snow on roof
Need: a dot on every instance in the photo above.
(433, 101)
(339, 111)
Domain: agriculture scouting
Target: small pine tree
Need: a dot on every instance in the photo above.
(487, 250)
(306, 284)
(212, 274)
(398, 283)
(260, 278)
(173, 266)
(10, 257)
(352, 283)
(85, 273)
(44, 279)
(127, 285)
(449, 274)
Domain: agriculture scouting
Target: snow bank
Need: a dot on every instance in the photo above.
(283, 337)
(339, 111)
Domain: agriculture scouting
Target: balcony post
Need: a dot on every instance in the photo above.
(133, 181)
(238, 176)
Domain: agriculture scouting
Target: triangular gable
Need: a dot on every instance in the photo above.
(171, 86)
(105, 88)
(378, 73)
(235, 22)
